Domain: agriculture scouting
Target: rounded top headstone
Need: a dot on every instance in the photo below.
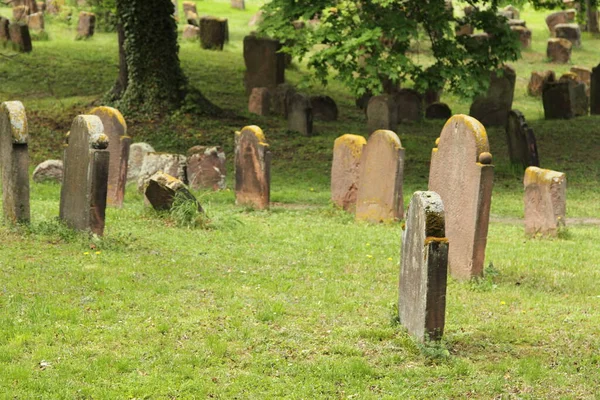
(353, 142)
(464, 124)
(94, 128)
(15, 112)
(256, 131)
(388, 135)
(110, 113)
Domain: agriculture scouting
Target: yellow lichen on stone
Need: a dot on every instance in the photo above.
(535, 175)
(15, 111)
(258, 133)
(430, 239)
(390, 136)
(474, 126)
(110, 112)
(354, 143)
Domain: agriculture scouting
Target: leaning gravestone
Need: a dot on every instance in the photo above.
(462, 174)
(570, 32)
(172, 164)
(14, 136)
(324, 108)
(162, 189)
(118, 147)
(137, 153)
(522, 146)
(438, 111)
(300, 115)
(347, 152)
(85, 178)
(382, 113)
(559, 50)
(212, 32)
(265, 65)
(424, 268)
(410, 105)
(492, 109)
(20, 37)
(252, 168)
(206, 168)
(379, 197)
(545, 201)
(49, 170)
(86, 25)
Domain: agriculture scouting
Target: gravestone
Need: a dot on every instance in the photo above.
(14, 137)
(192, 19)
(438, 111)
(4, 30)
(324, 108)
(523, 34)
(35, 21)
(118, 147)
(85, 176)
(206, 168)
(137, 153)
(584, 75)
(513, 11)
(191, 32)
(571, 32)
(537, 80)
(20, 37)
(49, 170)
(86, 25)
(517, 22)
(265, 66)
(382, 113)
(20, 13)
(347, 152)
(410, 105)
(41, 6)
(300, 117)
(423, 268)
(212, 32)
(162, 189)
(171, 164)
(281, 98)
(252, 168)
(53, 6)
(579, 93)
(559, 100)
(189, 6)
(545, 201)
(522, 146)
(492, 109)
(259, 102)
(238, 4)
(462, 174)
(559, 17)
(559, 50)
(381, 174)
(595, 91)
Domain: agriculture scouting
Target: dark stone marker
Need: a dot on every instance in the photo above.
(492, 109)
(118, 147)
(281, 98)
(20, 37)
(545, 201)
(324, 108)
(595, 91)
(424, 268)
(14, 136)
(559, 50)
(161, 190)
(206, 168)
(300, 115)
(86, 25)
(438, 111)
(252, 168)
(382, 113)
(212, 33)
(265, 66)
(4, 30)
(571, 32)
(462, 174)
(522, 146)
(560, 99)
(85, 178)
(345, 168)
(410, 105)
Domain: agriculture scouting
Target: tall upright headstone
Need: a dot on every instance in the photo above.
(595, 91)
(545, 201)
(252, 168)
(300, 114)
(347, 152)
(382, 113)
(85, 176)
(492, 109)
(14, 136)
(20, 37)
(522, 146)
(424, 268)
(118, 147)
(462, 174)
(381, 174)
(265, 65)
(86, 25)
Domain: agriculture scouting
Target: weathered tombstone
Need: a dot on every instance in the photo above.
(36, 21)
(265, 66)
(300, 116)
(85, 176)
(324, 108)
(347, 152)
(20, 37)
(579, 94)
(492, 109)
(33, 6)
(212, 32)
(595, 91)
(514, 12)
(381, 174)
(4, 30)
(191, 32)
(41, 6)
(162, 189)
(537, 80)
(137, 153)
(523, 34)
(172, 164)
(522, 146)
(438, 111)
(545, 201)
(382, 113)
(49, 170)
(584, 75)
(238, 4)
(20, 13)
(281, 98)
(559, 17)
(14, 136)
(410, 105)
(189, 6)
(570, 32)
(462, 174)
(424, 268)
(517, 22)
(118, 147)
(86, 25)
(560, 99)
(259, 102)
(252, 168)
(505, 14)
(192, 19)
(206, 168)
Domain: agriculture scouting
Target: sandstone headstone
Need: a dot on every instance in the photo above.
(424, 268)
(86, 25)
(192, 18)
(118, 147)
(282, 95)
(36, 21)
(171, 164)
(324, 108)
(492, 109)
(410, 105)
(462, 174)
(238, 4)
(189, 6)
(595, 91)
(559, 17)
(212, 32)
(206, 168)
(162, 189)
(49, 170)
(41, 6)
(20, 37)
(191, 32)
(252, 168)
(4, 30)
(438, 111)
(522, 146)
(514, 12)
(85, 176)
(20, 13)
(260, 101)
(571, 32)
(523, 34)
(14, 137)
(382, 113)
(137, 153)
(537, 80)
(347, 152)
(381, 174)
(265, 66)
(584, 75)
(300, 115)
(517, 22)
(545, 201)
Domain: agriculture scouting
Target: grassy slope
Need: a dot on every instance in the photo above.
(298, 301)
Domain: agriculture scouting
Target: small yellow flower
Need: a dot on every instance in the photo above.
(97, 252)
(390, 259)
(312, 189)
(86, 253)
(502, 303)
(368, 244)
(369, 256)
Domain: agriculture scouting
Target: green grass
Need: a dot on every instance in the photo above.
(299, 301)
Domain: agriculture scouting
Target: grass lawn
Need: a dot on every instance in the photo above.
(299, 301)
